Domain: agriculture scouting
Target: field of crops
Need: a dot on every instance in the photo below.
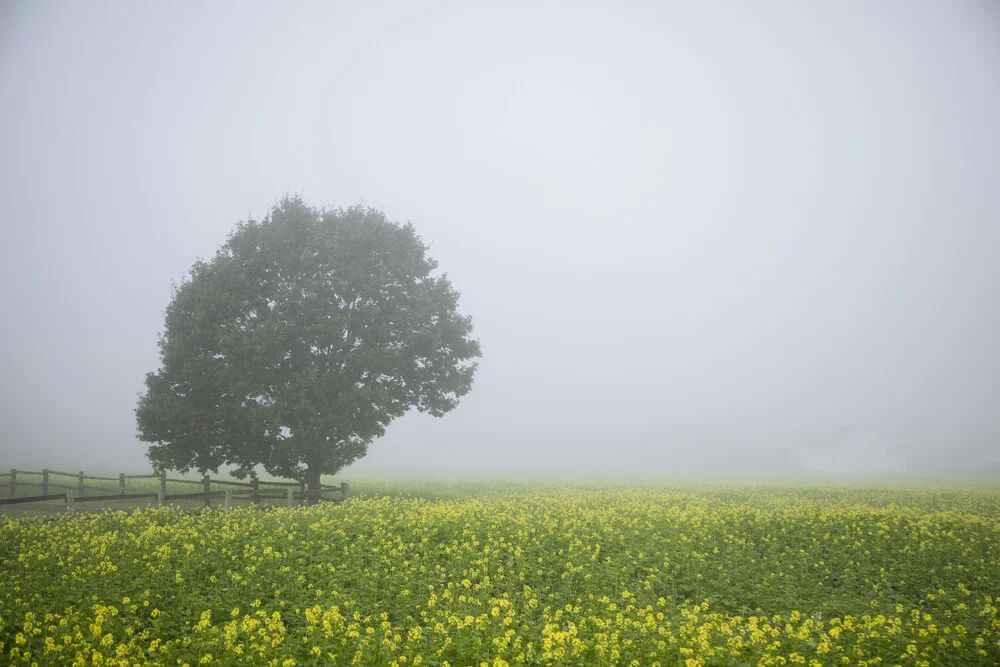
(497, 574)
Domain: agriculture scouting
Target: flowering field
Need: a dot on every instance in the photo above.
(516, 574)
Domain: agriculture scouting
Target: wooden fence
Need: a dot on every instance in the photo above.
(75, 493)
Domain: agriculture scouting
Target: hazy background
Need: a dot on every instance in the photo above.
(695, 237)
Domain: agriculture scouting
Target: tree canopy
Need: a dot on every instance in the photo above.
(299, 342)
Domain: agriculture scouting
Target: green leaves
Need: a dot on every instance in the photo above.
(300, 341)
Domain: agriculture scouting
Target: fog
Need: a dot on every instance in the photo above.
(695, 238)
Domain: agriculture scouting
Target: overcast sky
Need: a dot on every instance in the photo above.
(694, 237)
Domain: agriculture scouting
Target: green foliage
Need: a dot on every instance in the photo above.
(300, 341)
(516, 574)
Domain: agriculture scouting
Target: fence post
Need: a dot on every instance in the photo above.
(302, 488)
(69, 500)
(291, 496)
(79, 482)
(345, 490)
(121, 484)
(161, 498)
(163, 481)
(13, 482)
(207, 484)
(229, 498)
(45, 481)
(254, 490)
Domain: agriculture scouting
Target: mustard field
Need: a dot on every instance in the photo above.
(516, 574)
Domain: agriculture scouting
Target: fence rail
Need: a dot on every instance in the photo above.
(255, 490)
(64, 474)
(111, 496)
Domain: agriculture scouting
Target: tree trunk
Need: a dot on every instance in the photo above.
(312, 481)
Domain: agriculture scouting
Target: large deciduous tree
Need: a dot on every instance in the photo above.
(299, 342)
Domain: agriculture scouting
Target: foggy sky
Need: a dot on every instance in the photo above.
(694, 237)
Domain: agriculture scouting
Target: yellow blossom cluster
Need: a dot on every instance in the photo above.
(516, 574)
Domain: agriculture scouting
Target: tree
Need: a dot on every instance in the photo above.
(299, 342)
